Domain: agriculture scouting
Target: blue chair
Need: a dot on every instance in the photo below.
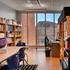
(2, 42)
(22, 53)
(20, 43)
(13, 62)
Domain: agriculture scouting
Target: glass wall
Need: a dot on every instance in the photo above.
(49, 17)
(40, 28)
(46, 24)
(56, 26)
(50, 26)
(56, 17)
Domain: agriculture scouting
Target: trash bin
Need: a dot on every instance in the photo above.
(47, 51)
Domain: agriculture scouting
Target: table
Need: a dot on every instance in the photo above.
(10, 52)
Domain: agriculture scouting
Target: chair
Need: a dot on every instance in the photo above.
(2, 42)
(14, 61)
(22, 53)
(20, 43)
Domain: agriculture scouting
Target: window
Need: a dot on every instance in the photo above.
(40, 17)
(50, 25)
(40, 28)
(56, 17)
(47, 24)
(49, 17)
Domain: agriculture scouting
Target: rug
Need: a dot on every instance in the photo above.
(29, 67)
(24, 67)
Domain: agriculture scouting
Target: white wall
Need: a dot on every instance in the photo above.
(7, 12)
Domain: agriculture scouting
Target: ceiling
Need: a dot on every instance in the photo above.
(24, 5)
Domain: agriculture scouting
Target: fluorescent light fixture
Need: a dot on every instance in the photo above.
(43, 5)
(28, 5)
(28, 1)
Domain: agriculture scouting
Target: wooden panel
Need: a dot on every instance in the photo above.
(61, 40)
(24, 27)
(31, 30)
(68, 25)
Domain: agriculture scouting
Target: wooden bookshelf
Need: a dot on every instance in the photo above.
(14, 31)
(64, 22)
(11, 30)
(2, 27)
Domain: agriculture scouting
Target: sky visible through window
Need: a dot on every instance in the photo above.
(49, 17)
(56, 17)
(40, 17)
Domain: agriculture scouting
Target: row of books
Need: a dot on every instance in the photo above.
(10, 40)
(2, 35)
(9, 21)
(1, 28)
(2, 20)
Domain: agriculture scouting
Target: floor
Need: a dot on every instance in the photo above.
(44, 63)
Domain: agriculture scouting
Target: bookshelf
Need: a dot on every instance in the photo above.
(17, 32)
(64, 23)
(2, 27)
(11, 30)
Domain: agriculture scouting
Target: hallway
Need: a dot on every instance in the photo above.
(44, 63)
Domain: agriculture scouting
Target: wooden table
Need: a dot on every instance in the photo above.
(10, 52)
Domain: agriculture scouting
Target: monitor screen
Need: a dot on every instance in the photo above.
(2, 42)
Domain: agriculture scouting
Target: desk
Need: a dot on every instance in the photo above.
(10, 52)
